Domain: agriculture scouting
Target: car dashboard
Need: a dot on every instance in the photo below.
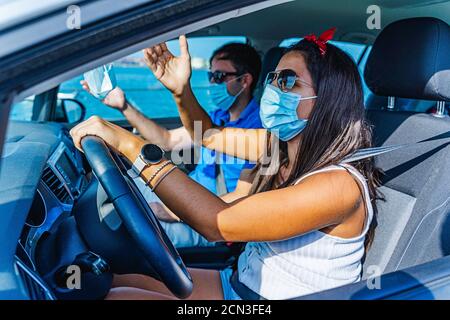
(50, 205)
(41, 178)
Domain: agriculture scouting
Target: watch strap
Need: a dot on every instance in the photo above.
(137, 167)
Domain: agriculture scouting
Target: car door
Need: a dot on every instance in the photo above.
(41, 48)
(427, 281)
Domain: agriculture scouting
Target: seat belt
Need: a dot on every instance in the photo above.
(376, 151)
(242, 290)
(221, 185)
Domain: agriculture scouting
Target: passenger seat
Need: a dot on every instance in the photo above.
(411, 59)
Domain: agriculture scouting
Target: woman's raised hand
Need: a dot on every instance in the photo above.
(173, 72)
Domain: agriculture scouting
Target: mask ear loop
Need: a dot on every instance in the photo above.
(239, 93)
(243, 88)
(235, 78)
(308, 98)
(302, 99)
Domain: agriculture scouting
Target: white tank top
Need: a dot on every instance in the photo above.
(307, 263)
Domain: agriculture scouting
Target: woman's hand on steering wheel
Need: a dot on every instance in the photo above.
(117, 138)
(140, 222)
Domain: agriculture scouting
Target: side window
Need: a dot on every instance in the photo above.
(354, 50)
(141, 87)
(23, 110)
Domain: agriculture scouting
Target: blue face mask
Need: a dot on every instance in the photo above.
(278, 112)
(220, 96)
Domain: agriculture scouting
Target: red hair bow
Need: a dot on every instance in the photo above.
(321, 42)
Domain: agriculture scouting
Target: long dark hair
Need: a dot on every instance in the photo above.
(336, 128)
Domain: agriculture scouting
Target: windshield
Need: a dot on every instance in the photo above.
(142, 89)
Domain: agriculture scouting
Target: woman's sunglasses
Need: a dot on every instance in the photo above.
(219, 76)
(285, 79)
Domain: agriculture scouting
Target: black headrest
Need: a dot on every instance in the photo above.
(411, 59)
(270, 61)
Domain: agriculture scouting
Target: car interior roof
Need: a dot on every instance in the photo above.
(298, 18)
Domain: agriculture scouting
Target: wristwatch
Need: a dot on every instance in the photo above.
(150, 154)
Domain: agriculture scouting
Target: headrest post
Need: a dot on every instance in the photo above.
(391, 103)
(440, 109)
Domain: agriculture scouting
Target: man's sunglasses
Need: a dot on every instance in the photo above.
(219, 76)
(285, 79)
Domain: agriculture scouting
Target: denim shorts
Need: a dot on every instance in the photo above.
(183, 236)
(228, 291)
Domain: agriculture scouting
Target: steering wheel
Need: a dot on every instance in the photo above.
(144, 230)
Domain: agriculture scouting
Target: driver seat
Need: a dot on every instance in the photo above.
(411, 59)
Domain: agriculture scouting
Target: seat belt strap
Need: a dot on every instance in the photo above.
(375, 151)
(221, 185)
(242, 290)
(372, 152)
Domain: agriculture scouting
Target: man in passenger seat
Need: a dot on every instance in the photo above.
(234, 73)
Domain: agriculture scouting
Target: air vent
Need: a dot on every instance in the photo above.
(35, 287)
(56, 186)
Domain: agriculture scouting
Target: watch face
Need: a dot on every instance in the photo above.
(152, 153)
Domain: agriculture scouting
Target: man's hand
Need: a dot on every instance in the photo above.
(115, 99)
(173, 72)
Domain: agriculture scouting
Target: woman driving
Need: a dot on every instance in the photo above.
(307, 216)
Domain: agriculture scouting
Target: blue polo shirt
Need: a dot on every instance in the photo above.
(205, 171)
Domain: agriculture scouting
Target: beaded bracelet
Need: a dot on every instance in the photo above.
(162, 166)
(162, 178)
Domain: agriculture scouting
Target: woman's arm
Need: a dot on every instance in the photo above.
(242, 189)
(248, 144)
(321, 200)
(192, 115)
(174, 73)
(318, 202)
